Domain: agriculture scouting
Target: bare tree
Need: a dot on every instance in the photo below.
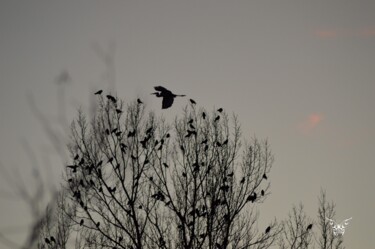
(326, 239)
(298, 232)
(139, 182)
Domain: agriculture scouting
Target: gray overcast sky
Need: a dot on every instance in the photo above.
(300, 73)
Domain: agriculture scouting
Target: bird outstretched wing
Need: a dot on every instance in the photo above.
(162, 89)
(346, 222)
(167, 102)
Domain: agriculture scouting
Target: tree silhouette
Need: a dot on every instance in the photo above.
(298, 229)
(135, 181)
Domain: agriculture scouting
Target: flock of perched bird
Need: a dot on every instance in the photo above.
(168, 98)
(161, 92)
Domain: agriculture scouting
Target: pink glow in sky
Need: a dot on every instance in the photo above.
(310, 123)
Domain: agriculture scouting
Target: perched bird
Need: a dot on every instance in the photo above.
(168, 96)
(192, 101)
(118, 111)
(252, 197)
(268, 229)
(111, 98)
(220, 110)
(265, 176)
(53, 239)
(242, 180)
(217, 118)
(139, 101)
(309, 227)
(98, 92)
(76, 157)
(131, 133)
(73, 167)
(262, 192)
(203, 115)
(47, 241)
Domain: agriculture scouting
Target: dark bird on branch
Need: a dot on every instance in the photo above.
(81, 222)
(265, 176)
(242, 180)
(118, 111)
(252, 197)
(73, 167)
(193, 102)
(98, 92)
(149, 130)
(47, 241)
(111, 98)
(76, 157)
(168, 96)
(53, 239)
(220, 110)
(268, 229)
(131, 134)
(262, 192)
(190, 133)
(139, 101)
(217, 118)
(309, 227)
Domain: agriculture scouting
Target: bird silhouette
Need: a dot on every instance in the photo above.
(265, 176)
(192, 101)
(98, 92)
(203, 115)
(111, 98)
(168, 96)
(47, 241)
(53, 239)
(220, 110)
(139, 101)
(262, 192)
(73, 167)
(309, 227)
(268, 229)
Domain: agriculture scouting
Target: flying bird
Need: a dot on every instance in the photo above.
(98, 92)
(168, 96)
